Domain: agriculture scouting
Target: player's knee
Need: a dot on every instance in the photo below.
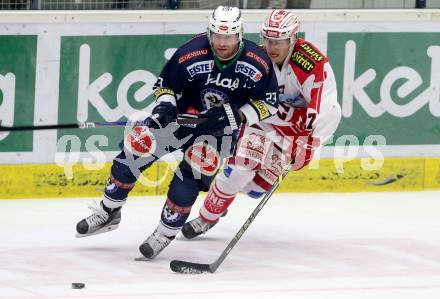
(253, 190)
(233, 179)
(183, 191)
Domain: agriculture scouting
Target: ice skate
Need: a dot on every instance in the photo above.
(195, 228)
(100, 221)
(154, 244)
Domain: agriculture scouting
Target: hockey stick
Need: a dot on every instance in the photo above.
(182, 119)
(198, 268)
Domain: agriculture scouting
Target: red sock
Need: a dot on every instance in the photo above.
(216, 203)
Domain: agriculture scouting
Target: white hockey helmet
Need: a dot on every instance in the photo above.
(281, 24)
(226, 20)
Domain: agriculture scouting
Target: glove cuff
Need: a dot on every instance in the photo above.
(232, 117)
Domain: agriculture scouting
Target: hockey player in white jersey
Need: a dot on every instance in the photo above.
(308, 115)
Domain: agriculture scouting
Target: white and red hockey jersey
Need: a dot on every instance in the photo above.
(308, 115)
(308, 94)
(308, 99)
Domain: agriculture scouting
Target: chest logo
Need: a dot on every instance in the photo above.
(201, 67)
(248, 70)
(225, 82)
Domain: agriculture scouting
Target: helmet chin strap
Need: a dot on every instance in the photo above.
(288, 54)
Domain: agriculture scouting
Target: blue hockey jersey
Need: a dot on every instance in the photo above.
(195, 80)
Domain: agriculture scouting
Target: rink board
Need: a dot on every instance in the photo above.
(52, 181)
(68, 67)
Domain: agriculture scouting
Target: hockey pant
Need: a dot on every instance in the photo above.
(203, 156)
(263, 152)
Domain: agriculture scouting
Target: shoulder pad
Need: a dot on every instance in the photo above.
(301, 60)
(306, 56)
(256, 54)
(311, 51)
(195, 47)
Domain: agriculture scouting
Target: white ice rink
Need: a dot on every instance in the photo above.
(356, 246)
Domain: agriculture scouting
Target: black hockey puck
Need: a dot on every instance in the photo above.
(78, 285)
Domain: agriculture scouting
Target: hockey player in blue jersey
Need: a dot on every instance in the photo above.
(217, 76)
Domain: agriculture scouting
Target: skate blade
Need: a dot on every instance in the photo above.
(99, 231)
(180, 237)
(142, 259)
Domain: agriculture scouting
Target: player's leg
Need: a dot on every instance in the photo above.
(238, 173)
(221, 195)
(195, 173)
(126, 168)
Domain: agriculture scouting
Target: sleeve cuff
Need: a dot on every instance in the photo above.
(250, 114)
(166, 98)
(256, 110)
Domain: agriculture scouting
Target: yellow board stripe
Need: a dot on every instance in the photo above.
(49, 181)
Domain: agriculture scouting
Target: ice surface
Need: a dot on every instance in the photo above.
(357, 245)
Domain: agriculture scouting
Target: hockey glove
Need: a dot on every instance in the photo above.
(219, 118)
(161, 116)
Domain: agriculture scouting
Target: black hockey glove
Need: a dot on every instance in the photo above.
(161, 116)
(218, 118)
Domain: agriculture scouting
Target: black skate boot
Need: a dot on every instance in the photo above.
(102, 220)
(197, 227)
(154, 244)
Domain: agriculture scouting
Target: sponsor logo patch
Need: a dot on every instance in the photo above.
(170, 216)
(248, 70)
(192, 54)
(110, 187)
(259, 60)
(261, 108)
(203, 158)
(302, 61)
(141, 142)
(161, 91)
(212, 97)
(312, 52)
(201, 67)
(292, 101)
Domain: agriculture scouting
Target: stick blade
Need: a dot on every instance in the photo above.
(189, 268)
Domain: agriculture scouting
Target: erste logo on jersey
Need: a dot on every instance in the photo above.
(203, 158)
(212, 97)
(248, 70)
(201, 67)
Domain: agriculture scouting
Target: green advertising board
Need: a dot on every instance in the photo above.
(17, 89)
(108, 78)
(388, 84)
